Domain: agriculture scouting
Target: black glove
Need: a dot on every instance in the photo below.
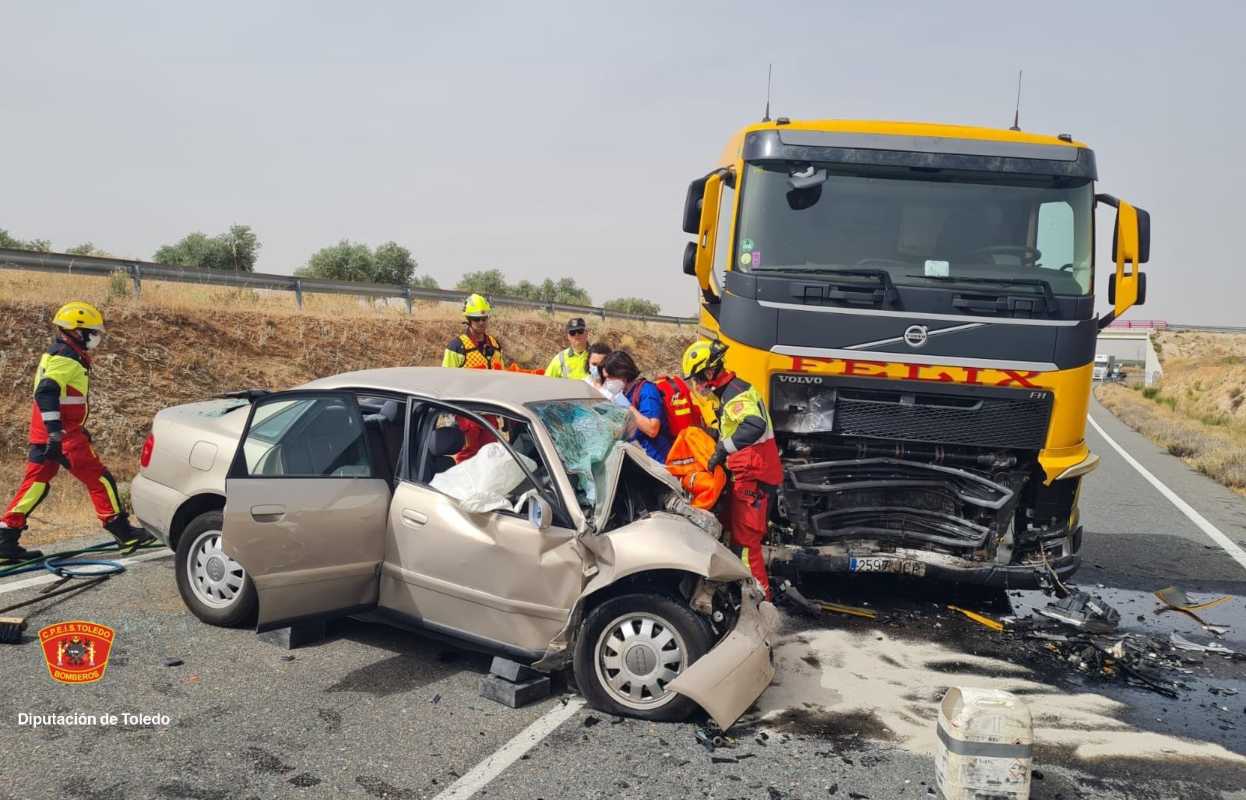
(720, 455)
(52, 451)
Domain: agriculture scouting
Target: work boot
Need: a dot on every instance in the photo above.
(126, 534)
(10, 550)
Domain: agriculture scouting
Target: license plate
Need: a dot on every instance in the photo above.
(895, 566)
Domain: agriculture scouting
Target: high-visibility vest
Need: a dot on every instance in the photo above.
(487, 357)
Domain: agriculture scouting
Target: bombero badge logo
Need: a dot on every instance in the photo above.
(76, 652)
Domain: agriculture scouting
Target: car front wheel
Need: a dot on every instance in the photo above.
(214, 587)
(629, 650)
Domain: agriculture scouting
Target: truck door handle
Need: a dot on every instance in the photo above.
(413, 518)
(267, 513)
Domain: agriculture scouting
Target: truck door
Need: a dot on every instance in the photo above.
(305, 510)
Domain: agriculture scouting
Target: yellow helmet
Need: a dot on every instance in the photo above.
(701, 355)
(78, 315)
(476, 307)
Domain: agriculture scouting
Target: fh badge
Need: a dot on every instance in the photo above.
(76, 652)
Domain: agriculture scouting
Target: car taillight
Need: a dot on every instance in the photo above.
(145, 457)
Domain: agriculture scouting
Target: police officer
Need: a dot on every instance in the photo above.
(573, 361)
(57, 436)
(475, 348)
(746, 444)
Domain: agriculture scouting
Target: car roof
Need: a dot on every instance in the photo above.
(480, 385)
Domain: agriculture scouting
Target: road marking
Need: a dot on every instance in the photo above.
(48, 577)
(480, 775)
(1230, 547)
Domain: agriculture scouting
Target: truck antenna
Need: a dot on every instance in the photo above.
(1016, 115)
(769, 70)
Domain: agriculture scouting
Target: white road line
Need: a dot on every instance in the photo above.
(480, 775)
(48, 577)
(1230, 547)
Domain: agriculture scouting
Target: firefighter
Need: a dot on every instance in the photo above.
(746, 445)
(572, 362)
(474, 348)
(57, 436)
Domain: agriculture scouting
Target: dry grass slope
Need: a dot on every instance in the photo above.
(1198, 411)
(181, 343)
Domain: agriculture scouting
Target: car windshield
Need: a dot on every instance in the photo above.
(928, 230)
(584, 433)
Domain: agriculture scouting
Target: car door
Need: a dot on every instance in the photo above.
(305, 512)
(498, 577)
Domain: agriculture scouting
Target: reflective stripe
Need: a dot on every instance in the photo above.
(73, 400)
(26, 503)
(729, 445)
(988, 749)
(562, 364)
(744, 556)
(48, 416)
(112, 494)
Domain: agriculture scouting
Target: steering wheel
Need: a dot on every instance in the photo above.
(1029, 255)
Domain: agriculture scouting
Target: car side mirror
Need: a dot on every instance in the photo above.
(540, 512)
(1141, 289)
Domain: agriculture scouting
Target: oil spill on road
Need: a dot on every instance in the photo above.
(898, 666)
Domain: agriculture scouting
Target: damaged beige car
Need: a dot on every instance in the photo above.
(500, 509)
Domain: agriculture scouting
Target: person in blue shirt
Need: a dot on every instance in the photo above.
(622, 383)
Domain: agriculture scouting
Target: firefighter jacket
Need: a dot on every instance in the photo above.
(463, 351)
(60, 392)
(568, 364)
(746, 434)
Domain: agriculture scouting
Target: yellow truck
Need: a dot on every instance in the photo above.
(917, 304)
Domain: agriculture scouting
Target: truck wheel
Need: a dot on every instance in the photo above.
(214, 587)
(631, 647)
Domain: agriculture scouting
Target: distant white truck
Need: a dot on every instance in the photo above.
(1105, 367)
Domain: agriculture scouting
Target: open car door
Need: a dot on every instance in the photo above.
(305, 510)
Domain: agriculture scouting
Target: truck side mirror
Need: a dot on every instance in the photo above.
(1131, 245)
(692, 205)
(1141, 289)
(690, 258)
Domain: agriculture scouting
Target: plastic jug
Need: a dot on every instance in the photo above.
(986, 743)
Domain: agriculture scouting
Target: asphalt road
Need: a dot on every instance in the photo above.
(377, 713)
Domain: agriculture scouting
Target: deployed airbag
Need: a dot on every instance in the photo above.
(482, 482)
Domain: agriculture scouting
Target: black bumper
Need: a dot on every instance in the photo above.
(999, 576)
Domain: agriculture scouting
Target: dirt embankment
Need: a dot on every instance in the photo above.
(1198, 410)
(158, 354)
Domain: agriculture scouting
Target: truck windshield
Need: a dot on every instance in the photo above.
(923, 231)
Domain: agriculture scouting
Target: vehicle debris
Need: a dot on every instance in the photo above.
(1174, 597)
(1083, 611)
(981, 619)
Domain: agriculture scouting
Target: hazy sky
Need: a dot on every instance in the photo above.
(558, 139)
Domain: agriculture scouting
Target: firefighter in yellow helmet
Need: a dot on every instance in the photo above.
(746, 444)
(58, 437)
(475, 348)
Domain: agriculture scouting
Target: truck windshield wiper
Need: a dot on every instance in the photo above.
(1049, 296)
(886, 294)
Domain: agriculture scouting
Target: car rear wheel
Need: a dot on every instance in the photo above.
(629, 650)
(214, 587)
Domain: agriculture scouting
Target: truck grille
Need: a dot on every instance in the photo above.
(914, 411)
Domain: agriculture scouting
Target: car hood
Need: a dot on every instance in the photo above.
(609, 473)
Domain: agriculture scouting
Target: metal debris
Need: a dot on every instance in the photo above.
(981, 619)
(1083, 611)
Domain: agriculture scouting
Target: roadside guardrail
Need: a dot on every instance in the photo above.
(139, 271)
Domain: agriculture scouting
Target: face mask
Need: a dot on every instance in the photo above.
(91, 339)
(592, 370)
(613, 387)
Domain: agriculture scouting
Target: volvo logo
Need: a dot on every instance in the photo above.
(916, 335)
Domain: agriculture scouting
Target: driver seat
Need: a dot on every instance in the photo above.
(446, 442)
